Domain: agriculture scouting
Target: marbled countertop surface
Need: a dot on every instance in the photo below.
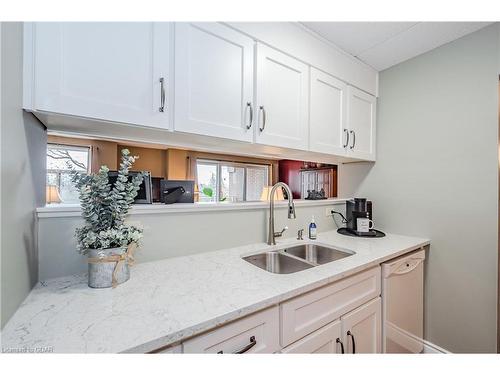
(167, 301)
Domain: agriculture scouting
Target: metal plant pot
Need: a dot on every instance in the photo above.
(101, 272)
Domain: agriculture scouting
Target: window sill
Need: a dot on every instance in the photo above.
(73, 210)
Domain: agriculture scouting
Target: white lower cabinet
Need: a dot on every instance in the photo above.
(256, 333)
(325, 340)
(356, 332)
(310, 311)
(342, 317)
(361, 328)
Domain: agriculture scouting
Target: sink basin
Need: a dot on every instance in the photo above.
(317, 254)
(276, 262)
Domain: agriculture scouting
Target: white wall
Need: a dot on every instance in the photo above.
(23, 150)
(436, 176)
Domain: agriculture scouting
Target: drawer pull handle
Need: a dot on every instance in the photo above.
(253, 342)
(353, 342)
(339, 341)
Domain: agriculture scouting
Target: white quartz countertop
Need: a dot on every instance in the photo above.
(170, 300)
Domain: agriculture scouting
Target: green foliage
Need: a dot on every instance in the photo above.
(208, 192)
(104, 208)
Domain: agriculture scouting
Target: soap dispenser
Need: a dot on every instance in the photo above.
(312, 229)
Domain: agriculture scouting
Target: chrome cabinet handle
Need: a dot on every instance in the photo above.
(261, 108)
(162, 95)
(353, 342)
(339, 341)
(253, 342)
(346, 132)
(353, 138)
(249, 106)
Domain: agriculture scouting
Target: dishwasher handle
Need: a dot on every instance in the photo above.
(407, 267)
(403, 265)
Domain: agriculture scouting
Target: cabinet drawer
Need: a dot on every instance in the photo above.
(261, 328)
(324, 340)
(308, 312)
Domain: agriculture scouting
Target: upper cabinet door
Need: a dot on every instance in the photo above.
(328, 133)
(361, 119)
(214, 81)
(361, 328)
(103, 70)
(282, 100)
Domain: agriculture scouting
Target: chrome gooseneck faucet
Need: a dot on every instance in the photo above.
(271, 239)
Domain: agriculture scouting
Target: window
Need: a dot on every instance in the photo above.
(220, 181)
(59, 158)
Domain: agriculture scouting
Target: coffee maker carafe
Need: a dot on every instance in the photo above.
(359, 207)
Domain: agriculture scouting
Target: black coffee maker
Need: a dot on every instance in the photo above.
(359, 207)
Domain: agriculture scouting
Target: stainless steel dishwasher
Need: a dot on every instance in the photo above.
(403, 303)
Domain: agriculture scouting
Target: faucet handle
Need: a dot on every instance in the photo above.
(300, 233)
(279, 234)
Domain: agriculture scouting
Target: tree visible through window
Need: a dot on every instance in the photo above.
(220, 181)
(59, 159)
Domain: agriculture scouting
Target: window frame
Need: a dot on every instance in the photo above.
(223, 163)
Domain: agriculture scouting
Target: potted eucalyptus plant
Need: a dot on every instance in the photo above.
(105, 238)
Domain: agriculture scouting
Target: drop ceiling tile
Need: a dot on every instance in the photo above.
(419, 39)
(357, 37)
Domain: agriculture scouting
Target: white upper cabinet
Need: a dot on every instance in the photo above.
(265, 87)
(281, 100)
(328, 133)
(361, 119)
(214, 81)
(103, 70)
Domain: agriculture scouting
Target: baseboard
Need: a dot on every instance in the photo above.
(430, 348)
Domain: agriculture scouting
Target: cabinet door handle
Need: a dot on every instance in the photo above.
(353, 342)
(162, 95)
(353, 138)
(249, 106)
(261, 108)
(346, 132)
(245, 349)
(339, 341)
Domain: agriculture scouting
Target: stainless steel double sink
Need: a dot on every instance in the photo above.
(296, 258)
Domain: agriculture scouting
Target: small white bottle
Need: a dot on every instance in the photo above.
(312, 229)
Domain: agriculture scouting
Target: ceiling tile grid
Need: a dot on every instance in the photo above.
(385, 44)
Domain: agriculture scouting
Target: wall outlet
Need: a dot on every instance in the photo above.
(328, 211)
